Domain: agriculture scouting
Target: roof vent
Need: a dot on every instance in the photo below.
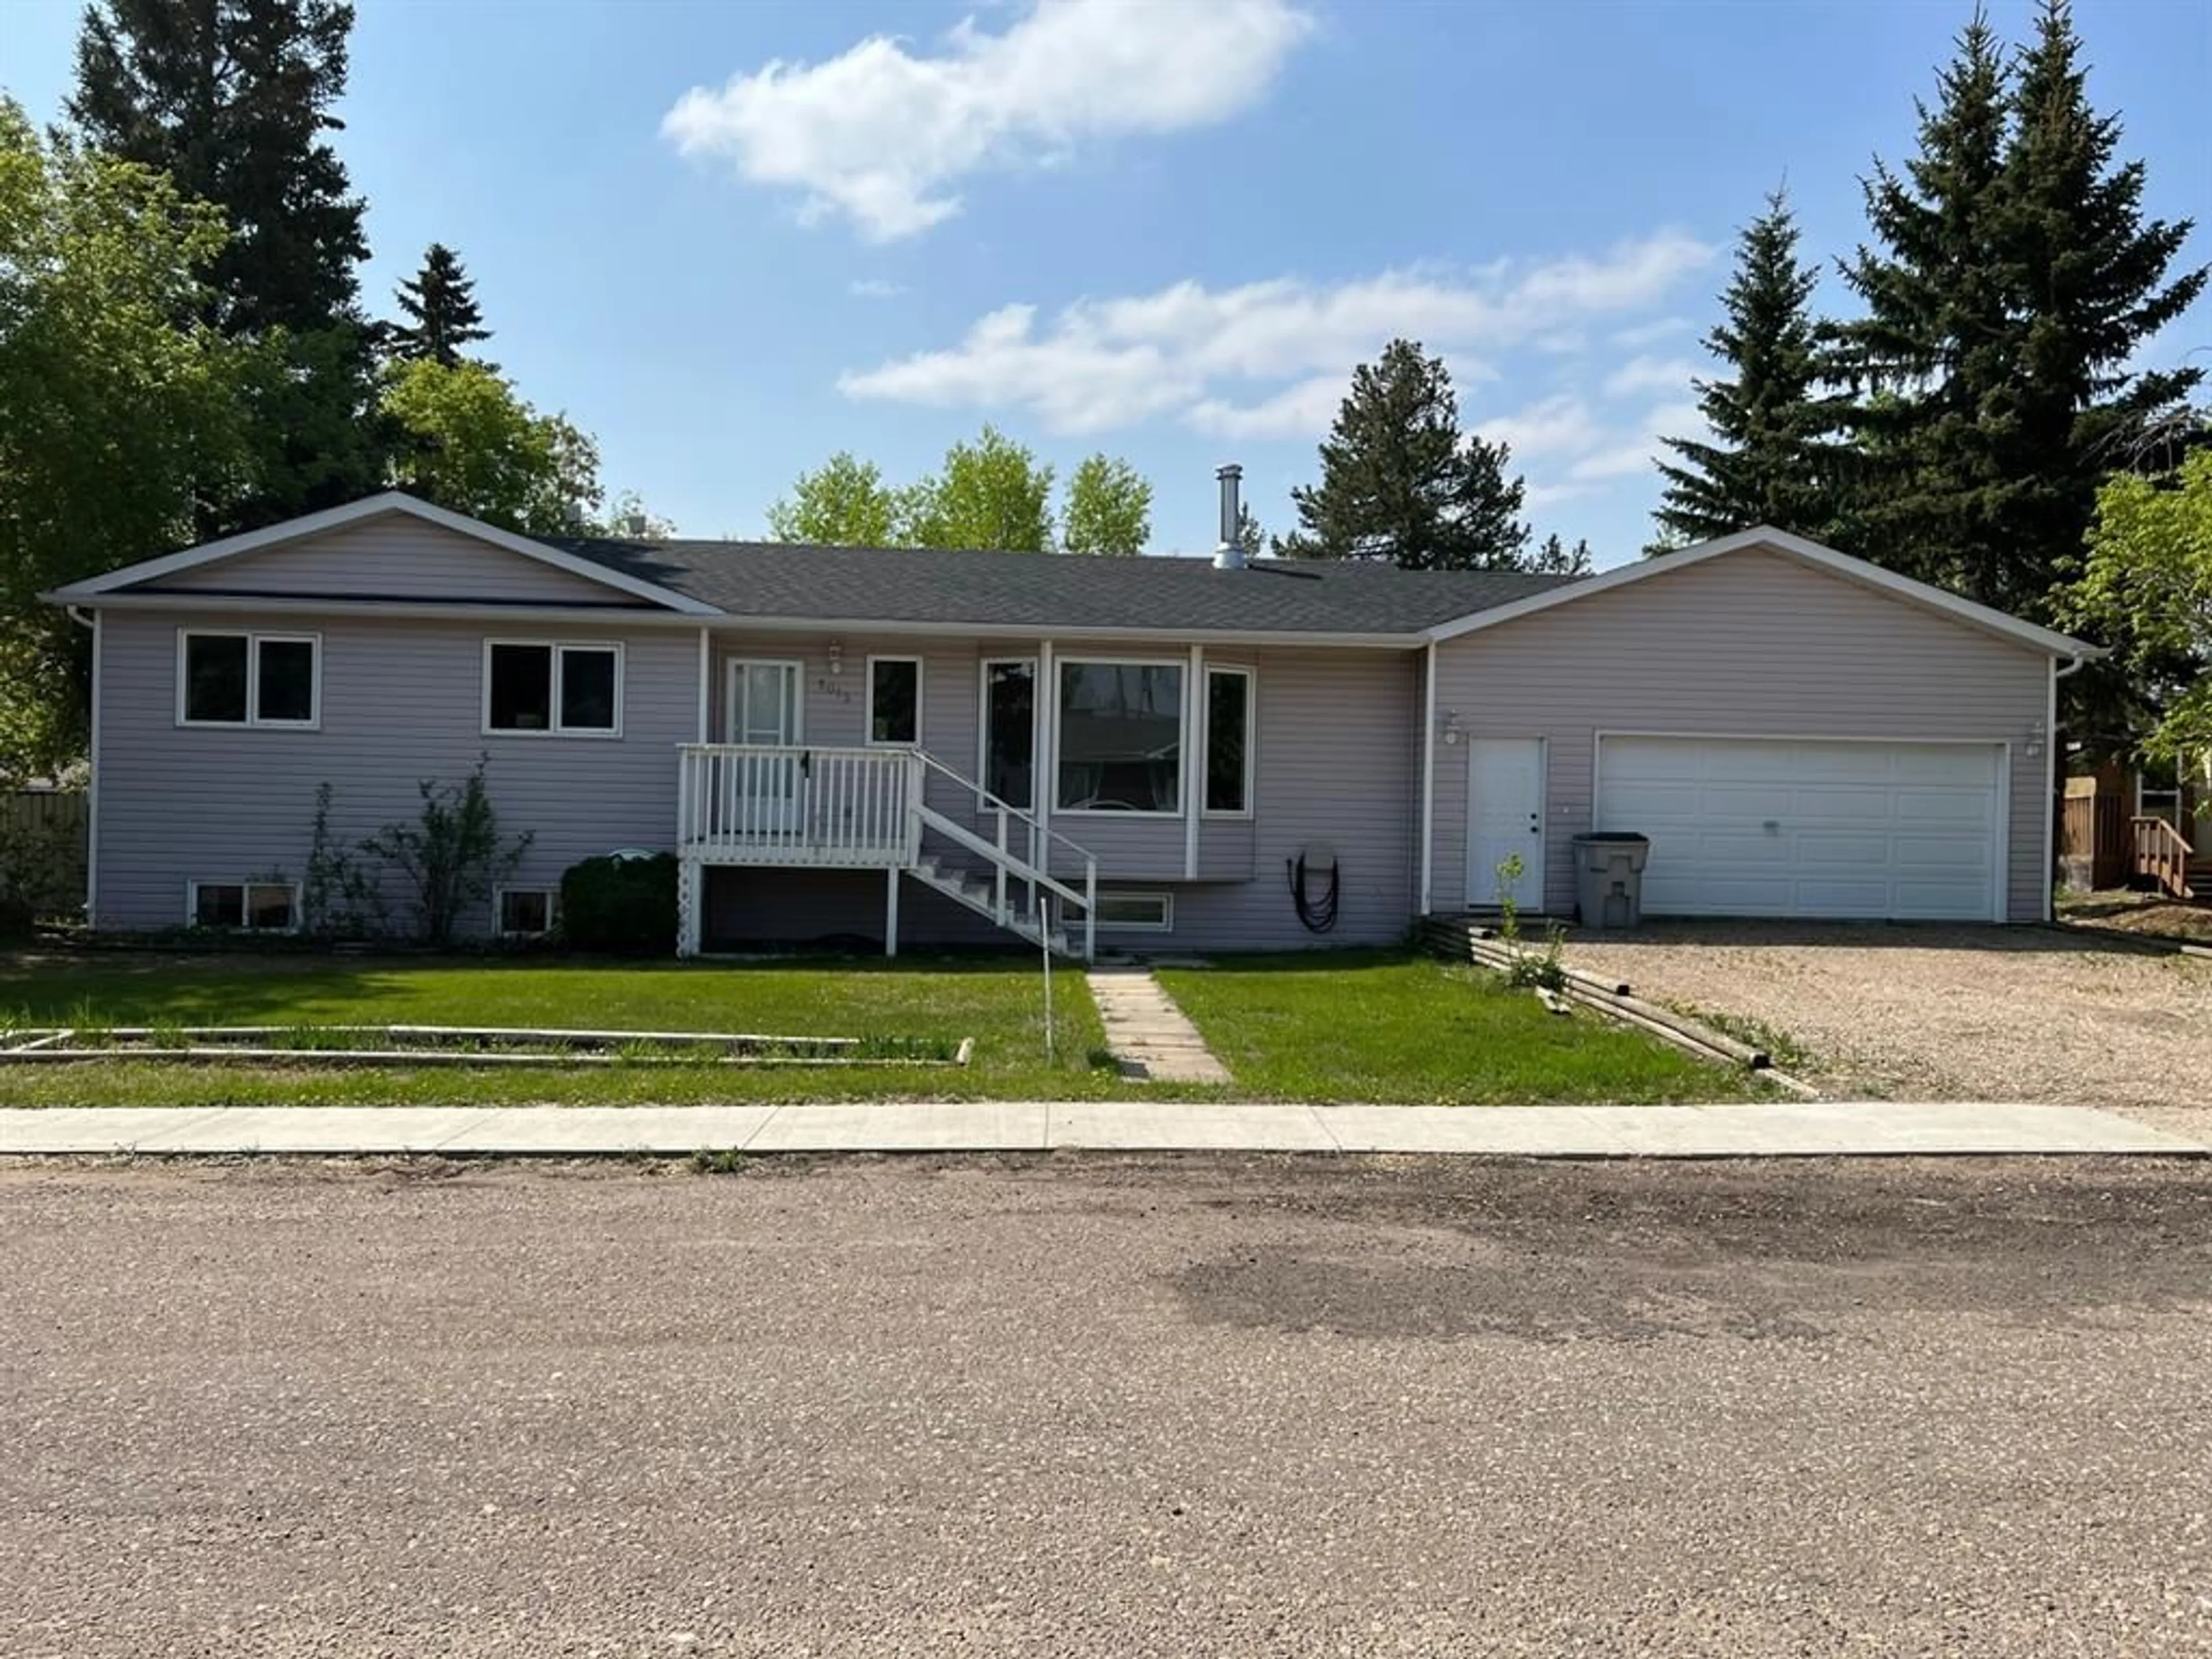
(1229, 552)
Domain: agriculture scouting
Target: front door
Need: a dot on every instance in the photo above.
(1505, 820)
(764, 713)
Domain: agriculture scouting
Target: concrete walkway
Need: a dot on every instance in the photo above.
(1790, 1129)
(1147, 1032)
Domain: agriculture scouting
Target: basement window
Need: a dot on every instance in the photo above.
(245, 906)
(1136, 913)
(526, 912)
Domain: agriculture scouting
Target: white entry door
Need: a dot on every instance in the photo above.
(1504, 818)
(764, 713)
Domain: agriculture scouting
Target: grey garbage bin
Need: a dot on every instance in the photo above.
(1609, 877)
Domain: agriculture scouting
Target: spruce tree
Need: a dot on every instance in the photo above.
(1934, 357)
(440, 305)
(1400, 481)
(1556, 558)
(2088, 276)
(233, 99)
(1770, 461)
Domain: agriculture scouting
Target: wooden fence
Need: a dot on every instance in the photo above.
(2095, 830)
(44, 835)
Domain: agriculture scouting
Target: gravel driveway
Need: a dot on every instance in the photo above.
(1902, 1012)
(1081, 1407)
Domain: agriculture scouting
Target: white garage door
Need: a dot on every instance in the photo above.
(1764, 827)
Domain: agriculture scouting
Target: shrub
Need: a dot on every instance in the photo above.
(623, 906)
(452, 854)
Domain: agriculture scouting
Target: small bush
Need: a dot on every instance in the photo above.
(625, 907)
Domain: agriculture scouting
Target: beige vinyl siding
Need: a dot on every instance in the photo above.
(1750, 644)
(394, 556)
(402, 700)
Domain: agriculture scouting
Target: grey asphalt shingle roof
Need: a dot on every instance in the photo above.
(789, 581)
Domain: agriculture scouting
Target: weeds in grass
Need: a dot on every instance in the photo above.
(167, 1034)
(1778, 1046)
(726, 1161)
(93, 1028)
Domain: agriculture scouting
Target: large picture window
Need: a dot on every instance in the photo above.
(248, 679)
(1120, 737)
(1009, 731)
(536, 688)
(1227, 740)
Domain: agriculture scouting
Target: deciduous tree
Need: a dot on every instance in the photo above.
(1109, 510)
(463, 439)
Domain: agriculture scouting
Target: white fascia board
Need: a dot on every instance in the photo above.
(369, 506)
(1797, 547)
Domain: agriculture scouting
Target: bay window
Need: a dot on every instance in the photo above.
(1119, 745)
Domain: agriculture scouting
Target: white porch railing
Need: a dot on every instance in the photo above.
(830, 808)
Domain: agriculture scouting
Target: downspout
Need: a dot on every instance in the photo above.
(77, 614)
(1428, 776)
(2052, 805)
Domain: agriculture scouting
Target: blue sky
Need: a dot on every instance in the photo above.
(730, 239)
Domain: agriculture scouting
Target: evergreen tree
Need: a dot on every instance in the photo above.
(1400, 481)
(233, 99)
(1933, 359)
(2089, 281)
(440, 305)
(1770, 461)
(1249, 535)
(1556, 558)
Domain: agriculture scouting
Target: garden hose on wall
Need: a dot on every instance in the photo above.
(1316, 882)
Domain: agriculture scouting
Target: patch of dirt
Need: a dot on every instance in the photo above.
(1942, 1013)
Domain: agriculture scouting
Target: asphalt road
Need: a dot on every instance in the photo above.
(1075, 1406)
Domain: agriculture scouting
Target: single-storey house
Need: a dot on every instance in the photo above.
(1086, 753)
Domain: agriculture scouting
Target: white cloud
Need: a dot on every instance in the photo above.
(1641, 375)
(874, 287)
(1219, 358)
(1559, 425)
(1639, 336)
(880, 133)
(1298, 411)
(1637, 452)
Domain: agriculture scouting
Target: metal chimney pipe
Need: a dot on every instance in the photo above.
(1229, 552)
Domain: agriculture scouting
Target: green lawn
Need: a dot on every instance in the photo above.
(1338, 1025)
(998, 1001)
(1361, 1025)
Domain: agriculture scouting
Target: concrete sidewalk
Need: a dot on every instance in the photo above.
(1786, 1129)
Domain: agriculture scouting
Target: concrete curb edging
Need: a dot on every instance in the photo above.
(1767, 1129)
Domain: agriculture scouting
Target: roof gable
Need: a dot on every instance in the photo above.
(1764, 537)
(192, 567)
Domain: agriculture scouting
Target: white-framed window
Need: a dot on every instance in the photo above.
(526, 912)
(244, 907)
(1006, 738)
(1136, 913)
(550, 688)
(235, 676)
(895, 701)
(1229, 725)
(1120, 746)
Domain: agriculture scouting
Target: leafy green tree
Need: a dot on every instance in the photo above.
(993, 493)
(232, 99)
(2146, 589)
(443, 320)
(1772, 460)
(627, 516)
(844, 503)
(119, 405)
(463, 439)
(1109, 508)
(1400, 481)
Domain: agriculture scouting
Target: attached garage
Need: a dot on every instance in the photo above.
(1801, 734)
(1856, 830)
